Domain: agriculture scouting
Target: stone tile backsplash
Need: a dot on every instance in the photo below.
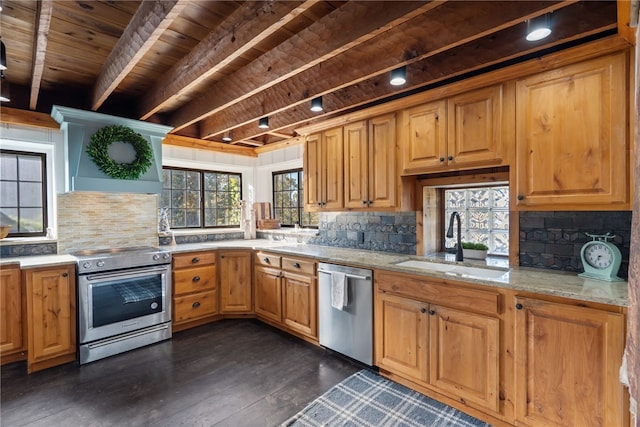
(552, 240)
(97, 220)
(378, 231)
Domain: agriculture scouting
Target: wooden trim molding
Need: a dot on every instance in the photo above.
(201, 144)
(15, 116)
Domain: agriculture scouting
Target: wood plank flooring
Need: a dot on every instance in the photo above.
(229, 373)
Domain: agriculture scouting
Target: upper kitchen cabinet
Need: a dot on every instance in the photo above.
(572, 150)
(369, 163)
(462, 132)
(323, 173)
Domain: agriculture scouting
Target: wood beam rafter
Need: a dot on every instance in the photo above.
(328, 36)
(185, 141)
(147, 25)
(248, 26)
(43, 22)
(452, 24)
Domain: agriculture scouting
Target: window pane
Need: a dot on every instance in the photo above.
(288, 200)
(178, 180)
(30, 168)
(193, 180)
(166, 179)
(8, 167)
(31, 194)
(31, 220)
(484, 216)
(8, 194)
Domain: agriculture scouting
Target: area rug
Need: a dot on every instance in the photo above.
(367, 399)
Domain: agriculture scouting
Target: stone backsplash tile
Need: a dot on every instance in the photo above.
(552, 240)
(378, 231)
(97, 220)
(28, 249)
(201, 238)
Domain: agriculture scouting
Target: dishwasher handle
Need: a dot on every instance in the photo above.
(348, 275)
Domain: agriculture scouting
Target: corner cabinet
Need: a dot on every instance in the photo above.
(462, 132)
(195, 289)
(572, 149)
(51, 316)
(236, 296)
(323, 172)
(12, 340)
(567, 362)
(370, 163)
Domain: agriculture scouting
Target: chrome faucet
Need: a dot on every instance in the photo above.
(456, 215)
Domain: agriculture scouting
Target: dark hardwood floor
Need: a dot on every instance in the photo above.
(229, 373)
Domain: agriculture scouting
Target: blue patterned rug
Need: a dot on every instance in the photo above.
(366, 399)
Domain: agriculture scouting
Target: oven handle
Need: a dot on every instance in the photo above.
(127, 273)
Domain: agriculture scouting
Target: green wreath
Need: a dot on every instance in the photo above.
(99, 146)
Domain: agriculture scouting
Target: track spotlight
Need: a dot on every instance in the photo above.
(264, 123)
(539, 27)
(227, 137)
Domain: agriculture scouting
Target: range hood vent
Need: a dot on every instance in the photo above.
(81, 174)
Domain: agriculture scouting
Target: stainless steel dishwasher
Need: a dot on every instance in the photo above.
(348, 331)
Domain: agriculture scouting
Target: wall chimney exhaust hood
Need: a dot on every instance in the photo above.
(81, 173)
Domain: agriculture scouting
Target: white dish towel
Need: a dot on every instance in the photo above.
(338, 290)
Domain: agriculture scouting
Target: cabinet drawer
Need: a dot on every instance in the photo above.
(196, 279)
(267, 260)
(298, 265)
(194, 306)
(193, 258)
(442, 294)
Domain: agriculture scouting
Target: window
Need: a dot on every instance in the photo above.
(23, 192)
(484, 215)
(201, 199)
(288, 200)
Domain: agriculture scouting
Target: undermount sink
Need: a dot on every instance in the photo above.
(457, 270)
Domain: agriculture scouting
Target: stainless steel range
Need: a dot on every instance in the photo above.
(124, 298)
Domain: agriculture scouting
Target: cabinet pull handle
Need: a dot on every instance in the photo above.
(432, 312)
(195, 304)
(519, 306)
(195, 259)
(196, 278)
(442, 159)
(423, 310)
(267, 260)
(296, 264)
(450, 158)
(370, 202)
(364, 202)
(65, 274)
(520, 197)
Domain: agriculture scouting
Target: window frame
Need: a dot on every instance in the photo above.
(44, 191)
(202, 173)
(300, 207)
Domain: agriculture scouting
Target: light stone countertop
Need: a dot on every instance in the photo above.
(540, 281)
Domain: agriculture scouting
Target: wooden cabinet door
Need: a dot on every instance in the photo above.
(571, 139)
(463, 355)
(299, 311)
(401, 328)
(424, 137)
(356, 165)
(235, 282)
(332, 167)
(51, 316)
(312, 172)
(11, 339)
(382, 162)
(567, 362)
(475, 128)
(268, 293)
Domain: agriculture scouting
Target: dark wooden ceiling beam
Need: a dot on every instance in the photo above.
(493, 49)
(147, 25)
(353, 23)
(248, 26)
(43, 22)
(449, 25)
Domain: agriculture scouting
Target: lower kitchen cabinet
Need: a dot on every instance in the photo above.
(236, 296)
(285, 292)
(195, 298)
(51, 316)
(12, 342)
(567, 362)
(441, 336)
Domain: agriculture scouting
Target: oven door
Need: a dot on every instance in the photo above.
(118, 302)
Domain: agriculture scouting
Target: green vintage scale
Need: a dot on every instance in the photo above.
(601, 258)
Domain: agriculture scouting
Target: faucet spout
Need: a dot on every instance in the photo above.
(456, 216)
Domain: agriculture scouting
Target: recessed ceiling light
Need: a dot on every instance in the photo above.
(316, 104)
(398, 76)
(263, 123)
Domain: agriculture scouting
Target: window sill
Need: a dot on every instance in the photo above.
(199, 231)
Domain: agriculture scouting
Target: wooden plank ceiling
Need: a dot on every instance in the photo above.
(212, 67)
